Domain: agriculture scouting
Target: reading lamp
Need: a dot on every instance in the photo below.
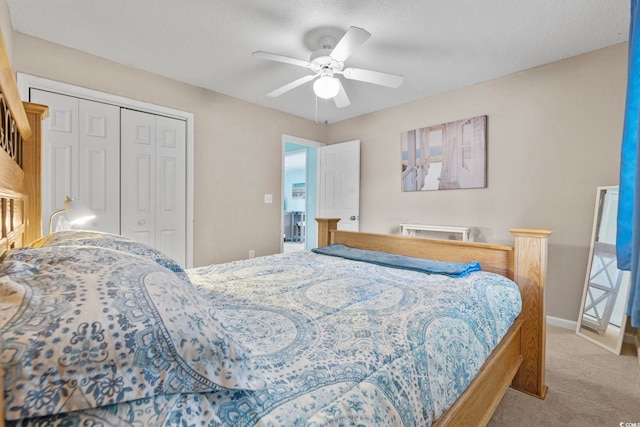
(76, 211)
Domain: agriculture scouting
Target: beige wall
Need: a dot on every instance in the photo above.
(6, 28)
(554, 135)
(237, 146)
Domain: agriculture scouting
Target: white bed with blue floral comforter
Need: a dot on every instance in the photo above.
(100, 330)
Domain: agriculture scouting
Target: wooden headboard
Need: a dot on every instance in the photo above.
(14, 131)
(20, 161)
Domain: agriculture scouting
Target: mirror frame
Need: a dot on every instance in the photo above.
(594, 232)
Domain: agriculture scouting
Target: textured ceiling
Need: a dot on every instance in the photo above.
(437, 45)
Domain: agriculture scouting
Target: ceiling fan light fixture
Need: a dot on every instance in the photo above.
(326, 87)
(326, 62)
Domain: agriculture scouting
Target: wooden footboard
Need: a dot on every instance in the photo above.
(481, 398)
(530, 273)
(519, 359)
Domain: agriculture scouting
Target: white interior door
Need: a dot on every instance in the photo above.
(153, 190)
(60, 152)
(81, 158)
(99, 164)
(170, 187)
(62, 156)
(339, 192)
(138, 195)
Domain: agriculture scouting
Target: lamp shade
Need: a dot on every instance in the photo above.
(76, 212)
(326, 87)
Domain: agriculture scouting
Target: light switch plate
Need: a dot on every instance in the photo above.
(268, 198)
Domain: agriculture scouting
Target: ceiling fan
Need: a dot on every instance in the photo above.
(328, 62)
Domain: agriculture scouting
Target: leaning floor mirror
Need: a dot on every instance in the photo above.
(602, 317)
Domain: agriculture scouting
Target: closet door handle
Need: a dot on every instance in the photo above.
(142, 222)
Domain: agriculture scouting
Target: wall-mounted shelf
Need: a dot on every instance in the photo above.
(410, 230)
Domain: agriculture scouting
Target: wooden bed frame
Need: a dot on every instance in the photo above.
(520, 357)
(518, 360)
(20, 165)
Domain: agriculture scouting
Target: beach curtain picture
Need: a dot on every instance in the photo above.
(446, 156)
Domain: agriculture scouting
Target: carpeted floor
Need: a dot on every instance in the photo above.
(588, 386)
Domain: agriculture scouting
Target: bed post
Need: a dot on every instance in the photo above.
(32, 167)
(325, 225)
(530, 271)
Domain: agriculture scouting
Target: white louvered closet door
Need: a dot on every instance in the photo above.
(153, 185)
(81, 158)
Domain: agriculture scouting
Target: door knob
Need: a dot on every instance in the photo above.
(142, 222)
(353, 218)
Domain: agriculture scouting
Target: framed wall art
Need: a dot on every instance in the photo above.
(445, 156)
(298, 190)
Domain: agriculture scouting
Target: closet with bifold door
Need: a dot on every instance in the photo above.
(153, 207)
(127, 166)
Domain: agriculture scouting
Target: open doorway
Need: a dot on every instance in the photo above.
(299, 194)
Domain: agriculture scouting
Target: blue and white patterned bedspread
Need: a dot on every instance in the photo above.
(340, 342)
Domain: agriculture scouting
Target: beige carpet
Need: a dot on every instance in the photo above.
(588, 386)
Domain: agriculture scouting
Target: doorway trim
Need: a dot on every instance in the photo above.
(26, 82)
(299, 141)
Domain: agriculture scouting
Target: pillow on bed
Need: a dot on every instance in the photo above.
(86, 327)
(72, 235)
(111, 241)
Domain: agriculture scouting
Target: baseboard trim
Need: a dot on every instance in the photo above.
(629, 338)
(562, 323)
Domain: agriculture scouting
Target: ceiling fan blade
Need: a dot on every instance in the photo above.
(281, 58)
(375, 77)
(341, 99)
(352, 39)
(294, 84)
